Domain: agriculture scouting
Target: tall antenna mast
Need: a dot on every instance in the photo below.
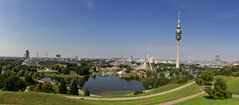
(46, 55)
(147, 55)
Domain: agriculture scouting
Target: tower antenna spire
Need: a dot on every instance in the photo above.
(179, 13)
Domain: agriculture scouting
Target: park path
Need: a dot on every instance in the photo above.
(27, 89)
(132, 98)
(235, 96)
(182, 99)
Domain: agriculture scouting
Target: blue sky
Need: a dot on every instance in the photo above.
(111, 28)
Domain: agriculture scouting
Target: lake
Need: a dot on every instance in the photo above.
(105, 84)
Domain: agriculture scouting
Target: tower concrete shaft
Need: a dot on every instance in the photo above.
(178, 55)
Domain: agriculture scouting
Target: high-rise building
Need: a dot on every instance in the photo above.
(178, 38)
(58, 55)
(27, 55)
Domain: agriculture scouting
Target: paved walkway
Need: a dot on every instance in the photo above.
(132, 98)
(27, 89)
(182, 99)
(235, 96)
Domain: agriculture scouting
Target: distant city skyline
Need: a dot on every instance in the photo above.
(111, 28)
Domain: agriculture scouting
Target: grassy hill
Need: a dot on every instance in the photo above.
(205, 101)
(189, 90)
(233, 86)
(37, 98)
(232, 83)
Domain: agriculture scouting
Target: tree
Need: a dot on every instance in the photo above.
(65, 71)
(20, 73)
(62, 87)
(14, 84)
(161, 81)
(84, 69)
(29, 80)
(181, 79)
(218, 90)
(149, 82)
(205, 78)
(73, 88)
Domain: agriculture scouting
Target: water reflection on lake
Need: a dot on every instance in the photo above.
(102, 84)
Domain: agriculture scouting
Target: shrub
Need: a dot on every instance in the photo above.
(199, 81)
(86, 92)
(181, 79)
(137, 92)
(46, 86)
(65, 71)
(160, 82)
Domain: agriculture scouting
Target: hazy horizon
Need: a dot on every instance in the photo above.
(111, 28)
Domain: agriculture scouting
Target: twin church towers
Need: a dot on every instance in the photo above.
(178, 38)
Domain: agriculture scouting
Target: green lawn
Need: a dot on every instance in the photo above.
(50, 64)
(129, 75)
(164, 88)
(36, 98)
(72, 74)
(117, 94)
(232, 83)
(204, 101)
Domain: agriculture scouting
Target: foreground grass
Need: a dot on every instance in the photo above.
(204, 101)
(232, 84)
(192, 89)
(36, 98)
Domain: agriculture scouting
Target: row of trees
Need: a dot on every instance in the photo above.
(228, 71)
(157, 79)
(10, 82)
(73, 88)
(16, 77)
(165, 74)
(83, 69)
